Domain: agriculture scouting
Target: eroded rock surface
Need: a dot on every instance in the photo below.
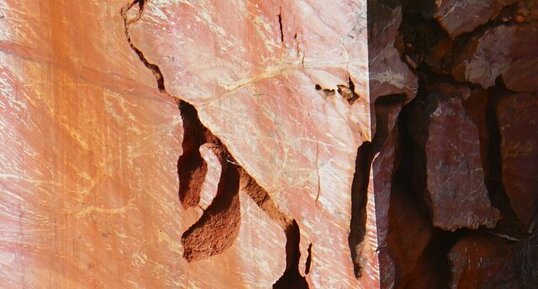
(295, 83)
(476, 259)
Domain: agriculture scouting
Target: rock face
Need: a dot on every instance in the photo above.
(88, 175)
(514, 58)
(268, 144)
(270, 80)
(388, 73)
(458, 16)
(91, 143)
(519, 152)
(476, 259)
(449, 147)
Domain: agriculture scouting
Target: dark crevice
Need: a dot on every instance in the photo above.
(280, 26)
(359, 187)
(292, 277)
(434, 264)
(431, 269)
(191, 167)
(410, 169)
(308, 262)
(509, 224)
(126, 22)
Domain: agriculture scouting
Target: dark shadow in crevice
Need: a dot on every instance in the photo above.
(509, 223)
(361, 178)
(280, 26)
(292, 278)
(191, 167)
(359, 190)
(308, 262)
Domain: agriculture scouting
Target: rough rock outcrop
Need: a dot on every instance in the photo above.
(458, 16)
(449, 151)
(268, 144)
(388, 74)
(506, 50)
(516, 114)
(475, 259)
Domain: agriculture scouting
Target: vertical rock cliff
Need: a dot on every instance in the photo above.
(269, 144)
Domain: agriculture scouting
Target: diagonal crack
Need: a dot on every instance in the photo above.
(128, 21)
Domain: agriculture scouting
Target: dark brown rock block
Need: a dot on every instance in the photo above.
(406, 244)
(452, 176)
(519, 267)
(506, 50)
(388, 73)
(476, 258)
(518, 127)
(460, 16)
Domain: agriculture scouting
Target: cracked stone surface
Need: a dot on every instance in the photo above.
(268, 144)
(100, 176)
(262, 83)
(88, 175)
(458, 17)
(454, 188)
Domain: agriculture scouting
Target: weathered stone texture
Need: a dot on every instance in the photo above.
(450, 152)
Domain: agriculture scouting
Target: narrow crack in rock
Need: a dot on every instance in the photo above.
(280, 25)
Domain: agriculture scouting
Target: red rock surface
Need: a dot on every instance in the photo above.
(88, 175)
(458, 16)
(267, 144)
(388, 73)
(258, 76)
(506, 50)
(448, 141)
(476, 259)
(519, 152)
(406, 244)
